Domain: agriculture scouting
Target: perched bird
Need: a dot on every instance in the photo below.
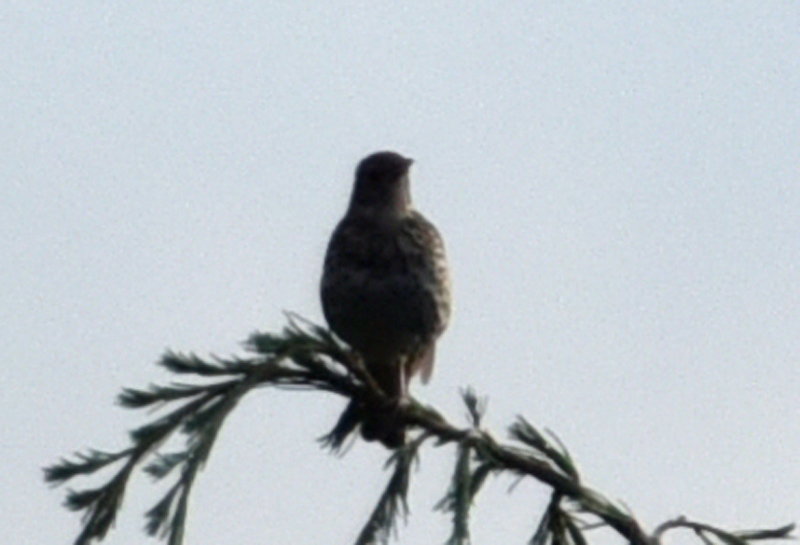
(385, 288)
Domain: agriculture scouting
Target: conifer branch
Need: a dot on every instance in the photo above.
(308, 356)
(393, 503)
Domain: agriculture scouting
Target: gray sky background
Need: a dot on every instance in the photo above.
(617, 183)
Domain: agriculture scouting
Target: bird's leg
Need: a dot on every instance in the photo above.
(402, 402)
(403, 386)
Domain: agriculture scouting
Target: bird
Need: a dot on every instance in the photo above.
(385, 289)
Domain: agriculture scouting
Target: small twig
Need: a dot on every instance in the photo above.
(730, 538)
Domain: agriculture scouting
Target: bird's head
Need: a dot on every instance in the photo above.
(382, 186)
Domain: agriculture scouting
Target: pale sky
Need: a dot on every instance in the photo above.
(617, 184)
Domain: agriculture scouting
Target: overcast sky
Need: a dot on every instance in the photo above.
(617, 184)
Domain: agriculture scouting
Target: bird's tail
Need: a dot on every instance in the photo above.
(377, 421)
(382, 424)
(377, 424)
